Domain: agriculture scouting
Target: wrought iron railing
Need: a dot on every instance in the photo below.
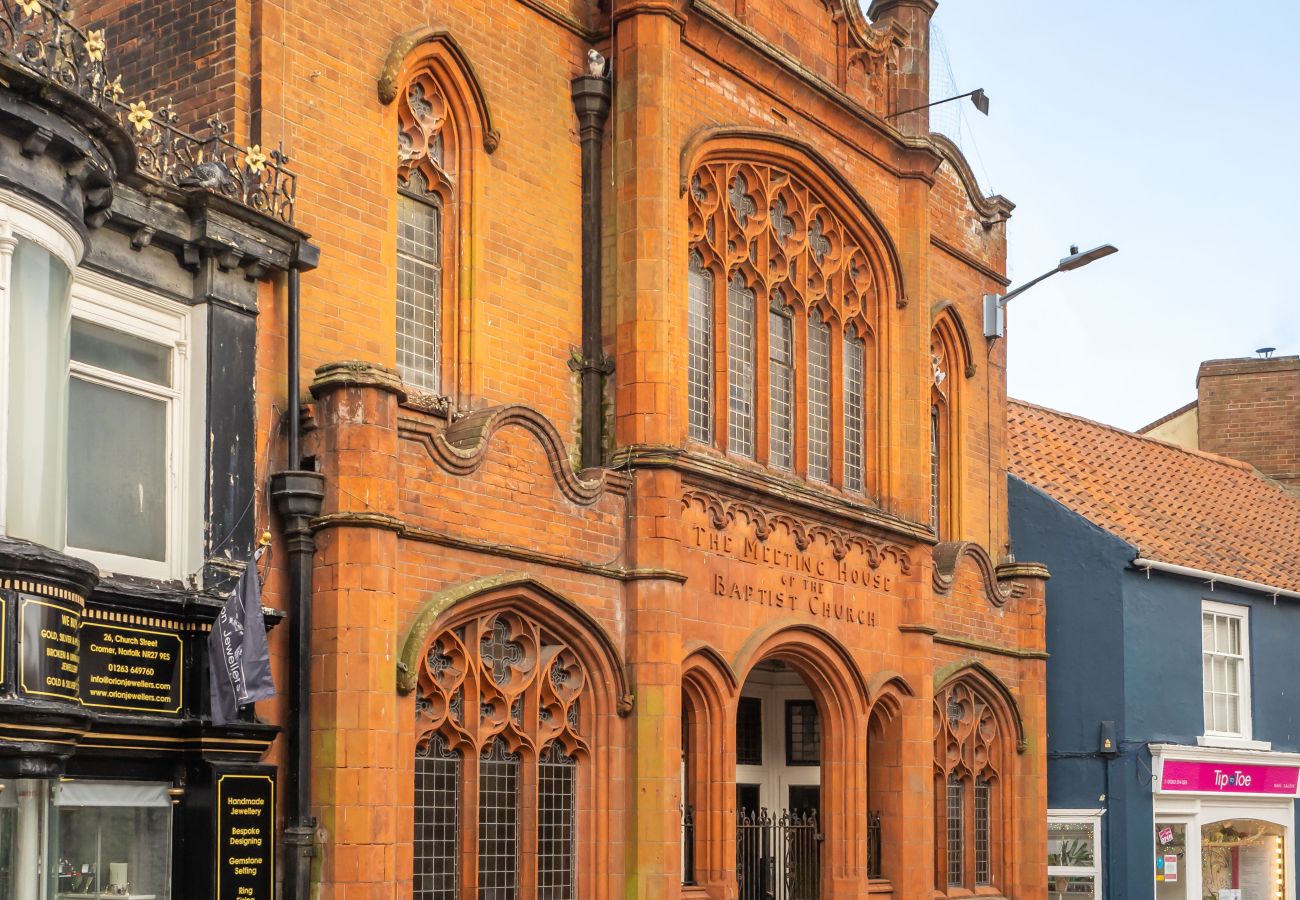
(874, 869)
(778, 857)
(38, 36)
(688, 844)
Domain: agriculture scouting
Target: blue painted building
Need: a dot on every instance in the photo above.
(1174, 679)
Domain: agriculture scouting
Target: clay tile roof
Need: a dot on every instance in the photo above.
(1177, 506)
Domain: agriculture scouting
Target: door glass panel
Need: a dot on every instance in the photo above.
(1243, 859)
(1171, 856)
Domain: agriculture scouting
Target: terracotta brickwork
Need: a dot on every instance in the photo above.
(635, 599)
(1249, 409)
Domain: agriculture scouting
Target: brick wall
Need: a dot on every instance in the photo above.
(1249, 409)
(182, 52)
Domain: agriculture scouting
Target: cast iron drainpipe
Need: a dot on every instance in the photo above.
(298, 495)
(591, 97)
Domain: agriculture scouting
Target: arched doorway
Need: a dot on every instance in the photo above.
(778, 786)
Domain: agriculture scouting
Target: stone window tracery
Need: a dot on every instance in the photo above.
(970, 749)
(770, 239)
(519, 754)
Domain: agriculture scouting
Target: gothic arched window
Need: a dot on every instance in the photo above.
(970, 753)
(501, 745)
(763, 237)
(426, 179)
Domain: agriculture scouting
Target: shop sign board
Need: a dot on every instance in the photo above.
(245, 842)
(1194, 776)
(131, 669)
(49, 650)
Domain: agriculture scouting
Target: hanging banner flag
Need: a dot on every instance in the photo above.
(239, 663)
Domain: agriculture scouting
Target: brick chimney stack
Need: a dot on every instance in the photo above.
(1249, 409)
(914, 61)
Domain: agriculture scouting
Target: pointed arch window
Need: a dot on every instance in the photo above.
(819, 398)
(500, 756)
(780, 341)
(970, 768)
(943, 386)
(855, 366)
(790, 388)
(426, 175)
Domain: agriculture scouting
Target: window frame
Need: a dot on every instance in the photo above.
(122, 307)
(791, 704)
(1080, 817)
(1245, 719)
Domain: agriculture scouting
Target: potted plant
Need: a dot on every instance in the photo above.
(1072, 853)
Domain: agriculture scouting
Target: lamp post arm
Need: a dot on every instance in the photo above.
(1027, 285)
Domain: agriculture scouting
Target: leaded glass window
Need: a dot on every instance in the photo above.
(819, 398)
(557, 797)
(780, 385)
(855, 363)
(419, 284)
(983, 861)
(956, 831)
(936, 470)
(775, 235)
(700, 351)
(740, 367)
(437, 821)
(498, 823)
(482, 800)
(968, 757)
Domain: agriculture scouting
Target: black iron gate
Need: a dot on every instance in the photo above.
(778, 857)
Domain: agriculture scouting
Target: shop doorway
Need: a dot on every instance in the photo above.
(778, 786)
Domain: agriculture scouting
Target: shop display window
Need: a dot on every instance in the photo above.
(1243, 859)
(1073, 856)
(110, 840)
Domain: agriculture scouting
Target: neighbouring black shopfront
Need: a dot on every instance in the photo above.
(113, 783)
(132, 255)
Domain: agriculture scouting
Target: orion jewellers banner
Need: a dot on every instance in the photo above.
(238, 659)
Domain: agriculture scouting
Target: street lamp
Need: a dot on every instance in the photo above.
(995, 317)
(977, 97)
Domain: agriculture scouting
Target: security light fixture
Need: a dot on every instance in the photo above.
(995, 317)
(977, 97)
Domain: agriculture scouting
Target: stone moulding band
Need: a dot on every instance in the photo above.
(409, 532)
(723, 511)
(462, 447)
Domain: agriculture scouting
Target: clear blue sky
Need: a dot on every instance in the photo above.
(1170, 129)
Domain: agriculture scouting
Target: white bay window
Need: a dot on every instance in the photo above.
(95, 413)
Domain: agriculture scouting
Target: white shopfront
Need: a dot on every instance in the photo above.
(1224, 822)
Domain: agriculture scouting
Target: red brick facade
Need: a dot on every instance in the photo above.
(635, 600)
